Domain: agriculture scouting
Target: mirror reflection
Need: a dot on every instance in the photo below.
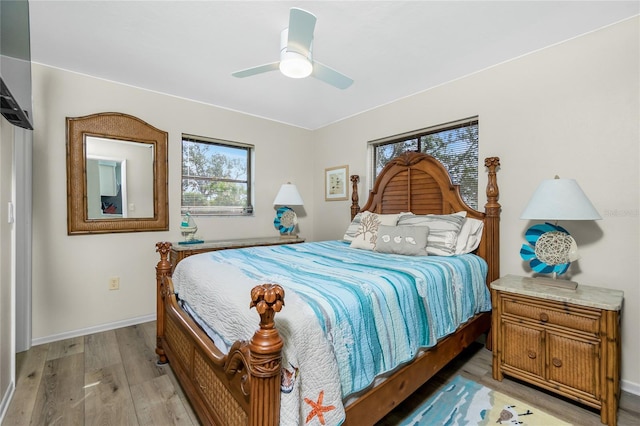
(119, 178)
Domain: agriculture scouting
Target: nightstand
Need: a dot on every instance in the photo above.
(180, 251)
(565, 341)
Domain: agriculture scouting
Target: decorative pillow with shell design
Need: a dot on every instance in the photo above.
(406, 240)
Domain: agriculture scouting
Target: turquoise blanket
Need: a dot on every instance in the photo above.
(377, 309)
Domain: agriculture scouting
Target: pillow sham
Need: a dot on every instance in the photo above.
(406, 240)
(443, 230)
(351, 231)
(367, 233)
(469, 236)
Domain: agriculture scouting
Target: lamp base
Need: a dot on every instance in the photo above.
(553, 282)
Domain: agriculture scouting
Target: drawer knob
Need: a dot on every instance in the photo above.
(556, 362)
(532, 354)
(544, 317)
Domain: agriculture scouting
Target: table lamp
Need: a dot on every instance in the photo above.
(286, 219)
(551, 248)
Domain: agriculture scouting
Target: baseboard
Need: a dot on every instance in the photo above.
(6, 400)
(630, 387)
(91, 330)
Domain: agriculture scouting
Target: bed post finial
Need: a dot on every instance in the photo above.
(492, 211)
(355, 206)
(163, 248)
(492, 163)
(266, 359)
(267, 299)
(163, 270)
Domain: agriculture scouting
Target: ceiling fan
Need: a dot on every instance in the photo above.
(296, 59)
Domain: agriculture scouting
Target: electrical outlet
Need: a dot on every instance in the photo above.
(114, 283)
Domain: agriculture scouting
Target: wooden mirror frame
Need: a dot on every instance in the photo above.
(117, 126)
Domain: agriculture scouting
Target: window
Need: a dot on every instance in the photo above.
(216, 177)
(453, 144)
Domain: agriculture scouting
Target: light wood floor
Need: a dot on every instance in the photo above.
(111, 378)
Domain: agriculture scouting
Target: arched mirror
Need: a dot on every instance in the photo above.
(116, 175)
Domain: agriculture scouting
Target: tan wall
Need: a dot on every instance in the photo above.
(71, 273)
(571, 110)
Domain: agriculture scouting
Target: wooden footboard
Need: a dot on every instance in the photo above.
(240, 388)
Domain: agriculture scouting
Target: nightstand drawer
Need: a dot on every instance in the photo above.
(573, 317)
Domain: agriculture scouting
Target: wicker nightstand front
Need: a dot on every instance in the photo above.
(565, 341)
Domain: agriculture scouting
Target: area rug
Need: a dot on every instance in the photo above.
(464, 402)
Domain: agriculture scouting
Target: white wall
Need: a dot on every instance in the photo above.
(7, 317)
(71, 273)
(15, 246)
(573, 110)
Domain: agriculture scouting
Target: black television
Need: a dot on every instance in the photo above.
(15, 63)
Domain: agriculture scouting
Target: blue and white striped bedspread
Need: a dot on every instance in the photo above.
(360, 311)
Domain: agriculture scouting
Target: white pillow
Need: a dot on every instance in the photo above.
(367, 233)
(443, 230)
(469, 236)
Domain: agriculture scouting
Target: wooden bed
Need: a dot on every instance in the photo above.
(243, 386)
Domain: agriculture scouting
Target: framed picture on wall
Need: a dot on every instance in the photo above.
(335, 183)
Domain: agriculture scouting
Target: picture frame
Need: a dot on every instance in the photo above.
(336, 183)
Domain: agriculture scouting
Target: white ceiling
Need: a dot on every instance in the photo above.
(392, 49)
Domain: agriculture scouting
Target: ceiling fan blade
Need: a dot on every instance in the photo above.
(301, 26)
(256, 70)
(330, 76)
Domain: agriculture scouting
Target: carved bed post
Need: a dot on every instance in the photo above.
(265, 363)
(492, 211)
(163, 270)
(355, 207)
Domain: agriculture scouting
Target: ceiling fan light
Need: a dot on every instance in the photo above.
(295, 65)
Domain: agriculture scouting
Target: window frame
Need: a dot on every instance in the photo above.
(246, 210)
(419, 134)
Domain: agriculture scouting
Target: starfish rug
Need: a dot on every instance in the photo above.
(463, 402)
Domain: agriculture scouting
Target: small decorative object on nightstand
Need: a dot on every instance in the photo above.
(551, 248)
(188, 229)
(565, 341)
(286, 219)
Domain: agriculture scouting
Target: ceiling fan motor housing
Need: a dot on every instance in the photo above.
(293, 64)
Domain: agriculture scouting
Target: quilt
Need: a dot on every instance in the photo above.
(350, 315)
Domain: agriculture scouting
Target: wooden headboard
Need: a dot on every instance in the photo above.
(418, 183)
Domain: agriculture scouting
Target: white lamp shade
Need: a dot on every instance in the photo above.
(560, 199)
(288, 196)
